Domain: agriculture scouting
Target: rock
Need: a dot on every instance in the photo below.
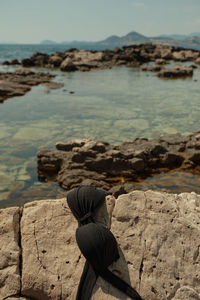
(54, 259)
(9, 252)
(197, 61)
(177, 72)
(27, 62)
(179, 56)
(161, 61)
(24, 72)
(131, 56)
(20, 82)
(40, 59)
(6, 63)
(137, 164)
(10, 89)
(68, 65)
(166, 226)
(15, 62)
(153, 68)
(158, 237)
(78, 161)
(55, 60)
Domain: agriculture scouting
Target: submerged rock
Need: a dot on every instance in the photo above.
(158, 237)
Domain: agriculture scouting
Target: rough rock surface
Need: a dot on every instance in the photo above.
(158, 236)
(112, 167)
(131, 56)
(9, 252)
(21, 81)
(176, 72)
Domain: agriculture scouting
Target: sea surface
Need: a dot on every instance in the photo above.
(110, 105)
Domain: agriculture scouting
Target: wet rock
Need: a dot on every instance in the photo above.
(55, 60)
(40, 59)
(24, 72)
(67, 65)
(15, 62)
(197, 61)
(20, 82)
(153, 68)
(137, 164)
(78, 160)
(6, 63)
(27, 62)
(172, 160)
(177, 72)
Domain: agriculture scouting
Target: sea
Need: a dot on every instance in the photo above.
(109, 105)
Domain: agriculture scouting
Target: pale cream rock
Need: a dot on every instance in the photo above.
(9, 252)
(158, 235)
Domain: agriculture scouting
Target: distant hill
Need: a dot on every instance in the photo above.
(180, 37)
(47, 42)
(131, 38)
(188, 41)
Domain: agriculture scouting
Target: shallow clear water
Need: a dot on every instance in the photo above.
(110, 105)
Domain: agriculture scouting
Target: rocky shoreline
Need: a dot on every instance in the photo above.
(157, 233)
(130, 56)
(21, 81)
(118, 168)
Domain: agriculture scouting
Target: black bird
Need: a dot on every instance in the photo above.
(97, 243)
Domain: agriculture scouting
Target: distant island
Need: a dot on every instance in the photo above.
(187, 41)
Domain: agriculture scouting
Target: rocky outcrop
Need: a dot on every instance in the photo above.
(176, 72)
(131, 56)
(117, 167)
(21, 81)
(158, 236)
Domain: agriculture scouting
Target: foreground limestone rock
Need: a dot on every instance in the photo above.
(9, 252)
(158, 236)
(117, 167)
(21, 81)
(51, 261)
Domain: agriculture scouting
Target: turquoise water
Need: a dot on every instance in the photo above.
(110, 105)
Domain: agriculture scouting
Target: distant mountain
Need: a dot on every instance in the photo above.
(179, 37)
(47, 42)
(187, 41)
(131, 38)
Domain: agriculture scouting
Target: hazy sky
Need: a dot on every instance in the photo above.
(30, 21)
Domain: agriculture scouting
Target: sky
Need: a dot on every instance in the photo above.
(31, 21)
